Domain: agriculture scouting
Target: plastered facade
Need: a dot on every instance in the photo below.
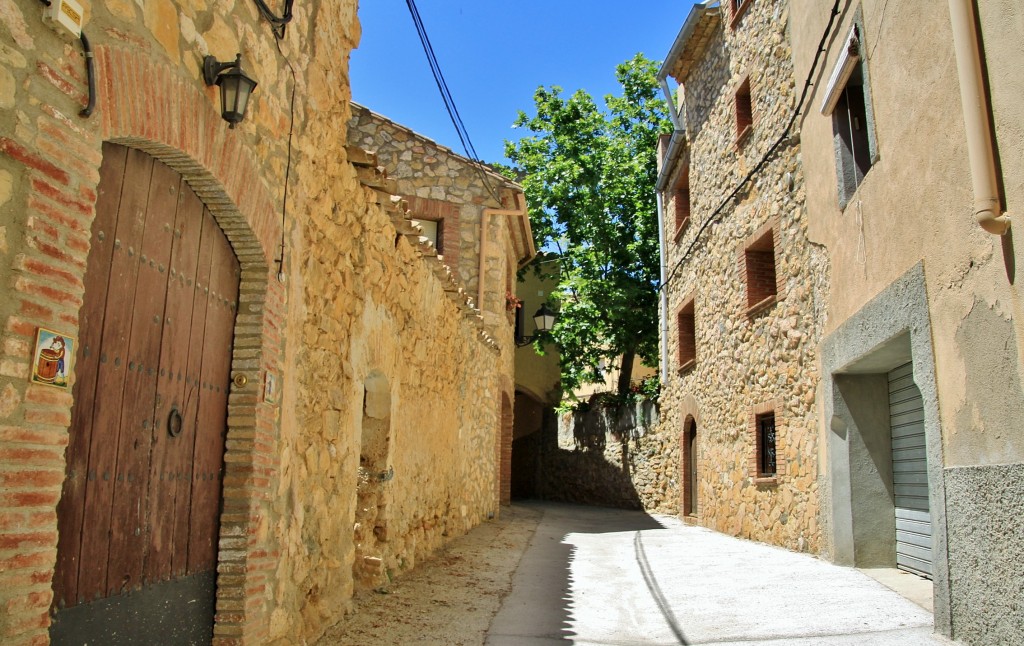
(913, 215)
(370, 335)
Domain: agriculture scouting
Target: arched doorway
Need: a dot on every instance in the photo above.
(370, 533)
(505, 451)
(690, 491)
(138, 518)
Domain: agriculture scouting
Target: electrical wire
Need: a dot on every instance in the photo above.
(288, 164)
(767, 156)
(277, 23)
(446, 97)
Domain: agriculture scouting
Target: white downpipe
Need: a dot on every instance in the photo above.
(673, 109)
(980, 149)
(663, 296)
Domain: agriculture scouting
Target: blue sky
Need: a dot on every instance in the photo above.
(494, 54)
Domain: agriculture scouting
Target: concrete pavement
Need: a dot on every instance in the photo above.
(594, 576)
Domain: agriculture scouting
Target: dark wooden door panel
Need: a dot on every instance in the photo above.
(211, 427)
(171, 446)
(97, 278)
(189, 379)
(129, 537)
(141, 505)
(113, 370)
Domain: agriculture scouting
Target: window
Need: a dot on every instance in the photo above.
(681, 200)
(850, 132)
(433, 231)
(759, 271)
(737, 8)
(687, 329)
(766, 445)
(744, 112)
(847, 100)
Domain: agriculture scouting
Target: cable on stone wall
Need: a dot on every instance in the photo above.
(277, 23)
(767, 156)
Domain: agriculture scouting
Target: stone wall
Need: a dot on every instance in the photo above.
(336, 301)
(610, 457)
(751, 357)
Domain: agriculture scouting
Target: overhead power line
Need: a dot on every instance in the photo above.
(768, 156)
(446, 97)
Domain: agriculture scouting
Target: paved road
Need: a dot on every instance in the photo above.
(602, 577)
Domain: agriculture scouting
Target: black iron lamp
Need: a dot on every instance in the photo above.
(235, 86)
(544, 320)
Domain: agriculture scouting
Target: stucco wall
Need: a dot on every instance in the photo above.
(351, 306)
(915, 206)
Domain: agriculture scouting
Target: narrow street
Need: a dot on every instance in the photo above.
(596, 576)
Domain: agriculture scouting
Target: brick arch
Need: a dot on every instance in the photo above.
(178, 123)
(690, 414)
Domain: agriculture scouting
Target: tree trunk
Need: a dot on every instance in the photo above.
(626, 371)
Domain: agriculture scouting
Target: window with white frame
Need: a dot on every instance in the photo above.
(848, 101)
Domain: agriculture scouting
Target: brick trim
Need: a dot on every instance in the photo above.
(448, 214)
(736, 13)
(689, 410)
(177, 123)
(763, 282)
(754, 460)
(686, 335)
(743, 103)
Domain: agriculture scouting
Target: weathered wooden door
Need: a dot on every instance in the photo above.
(140, 508)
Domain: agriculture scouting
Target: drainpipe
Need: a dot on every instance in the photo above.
(673, 110)
(663, 297)
(980, 149)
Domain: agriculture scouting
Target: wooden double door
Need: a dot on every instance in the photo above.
(139, 514)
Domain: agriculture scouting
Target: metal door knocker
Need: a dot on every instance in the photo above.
(174, 422)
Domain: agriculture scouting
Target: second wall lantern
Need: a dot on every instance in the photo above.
(235, 86)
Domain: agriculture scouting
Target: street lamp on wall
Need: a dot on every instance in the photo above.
(235, 86)
(544, 320)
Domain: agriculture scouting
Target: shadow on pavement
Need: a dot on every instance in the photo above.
(541, 608)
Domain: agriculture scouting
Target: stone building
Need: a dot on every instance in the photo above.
(233, 378)
(912, 148)
(476, 222)
(743, 283)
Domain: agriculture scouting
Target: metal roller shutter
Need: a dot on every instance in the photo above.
(910, 474)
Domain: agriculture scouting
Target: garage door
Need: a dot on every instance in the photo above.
(910, 474)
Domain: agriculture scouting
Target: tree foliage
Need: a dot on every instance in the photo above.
(589, 177)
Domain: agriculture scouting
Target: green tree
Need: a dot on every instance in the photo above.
(589, 177)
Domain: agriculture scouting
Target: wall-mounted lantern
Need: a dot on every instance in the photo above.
(544, 320)
(235, 86)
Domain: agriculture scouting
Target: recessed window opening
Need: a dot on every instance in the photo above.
(681, 200)
(744, 111)
(433, 231)
(686, 322)
(766, 443)
(759, 259)
(850, 129)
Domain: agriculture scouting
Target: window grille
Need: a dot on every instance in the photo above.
(766, 442)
